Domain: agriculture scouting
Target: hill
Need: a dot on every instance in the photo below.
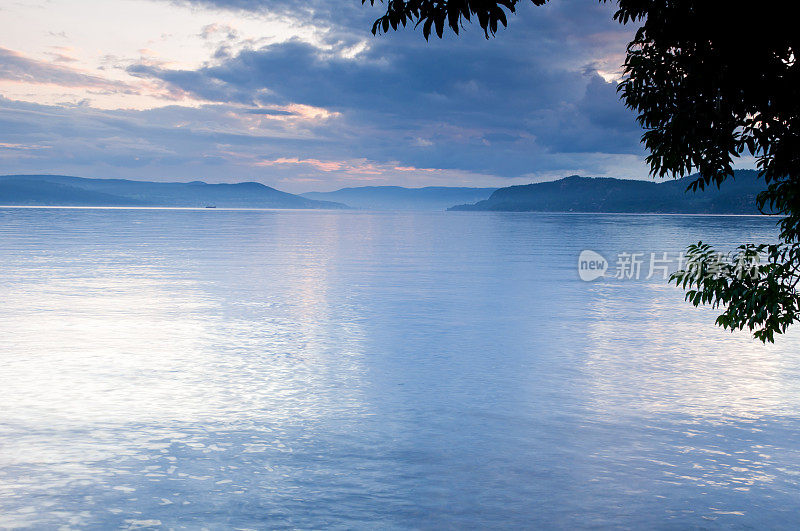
(62, 190)
(602, 194)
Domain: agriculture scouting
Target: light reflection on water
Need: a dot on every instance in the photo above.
(314, 369)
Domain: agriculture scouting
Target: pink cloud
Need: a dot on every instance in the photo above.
(16, 67)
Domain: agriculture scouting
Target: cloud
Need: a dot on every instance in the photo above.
(534, 102)
(476, 106)
(14, 66)
(596, 123)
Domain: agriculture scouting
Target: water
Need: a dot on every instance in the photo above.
(269, 369)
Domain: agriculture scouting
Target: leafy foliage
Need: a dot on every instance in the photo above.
(436, 14)
(711, 81)
(705, 95)
(756, 286)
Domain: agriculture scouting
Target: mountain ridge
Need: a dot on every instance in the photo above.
(66, 190)
(608, 194)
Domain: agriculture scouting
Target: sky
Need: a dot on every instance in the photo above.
(299, 95)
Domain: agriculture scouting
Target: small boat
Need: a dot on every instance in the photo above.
(211, 206)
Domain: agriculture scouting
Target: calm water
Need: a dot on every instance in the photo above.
(268, 369)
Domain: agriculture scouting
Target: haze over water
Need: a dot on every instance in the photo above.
(268, 369)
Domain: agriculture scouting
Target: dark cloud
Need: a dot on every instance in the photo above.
(597, 123)
(530, 101)
(341, 13)
(466, 103)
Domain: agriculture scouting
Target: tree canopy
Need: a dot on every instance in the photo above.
(710, 81)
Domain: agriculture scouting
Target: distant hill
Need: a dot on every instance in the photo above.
(62, 190)
(586, 194)
(399, 198)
